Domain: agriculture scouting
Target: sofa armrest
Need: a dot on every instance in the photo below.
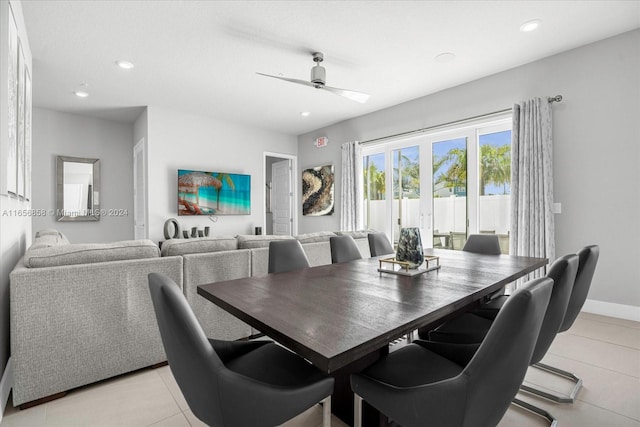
(77, 324)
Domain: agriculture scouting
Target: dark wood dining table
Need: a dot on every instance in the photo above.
(342, 317)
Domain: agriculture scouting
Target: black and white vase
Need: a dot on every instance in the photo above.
(410, 247)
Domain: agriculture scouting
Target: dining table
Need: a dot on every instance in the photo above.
(342, 317)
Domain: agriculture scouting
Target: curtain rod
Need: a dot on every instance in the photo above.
(551, 99)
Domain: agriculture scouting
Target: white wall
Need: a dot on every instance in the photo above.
(185, 141)
(15, 231)
(596, 148)
(64, 134)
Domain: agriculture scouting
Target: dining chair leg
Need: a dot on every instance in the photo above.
(326, 412)
(553, 422)
(357, 410)
(553, 370)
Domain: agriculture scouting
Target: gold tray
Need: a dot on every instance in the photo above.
(394, 266)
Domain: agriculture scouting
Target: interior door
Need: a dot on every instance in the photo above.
(282, 197)
(140, 191)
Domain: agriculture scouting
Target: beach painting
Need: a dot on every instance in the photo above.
(213, 193)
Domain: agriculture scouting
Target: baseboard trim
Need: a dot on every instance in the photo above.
(620, 311)
(6, 383)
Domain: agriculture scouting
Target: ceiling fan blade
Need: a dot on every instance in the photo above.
(353, 95)
(287, 79)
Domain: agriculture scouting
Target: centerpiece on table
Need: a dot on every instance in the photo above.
(409, 255)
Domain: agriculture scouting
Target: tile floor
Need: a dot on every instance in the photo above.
(603, 351)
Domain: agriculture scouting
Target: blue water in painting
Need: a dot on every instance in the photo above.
(226, 201)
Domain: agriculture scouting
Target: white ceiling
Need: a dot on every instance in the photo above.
(202, 56)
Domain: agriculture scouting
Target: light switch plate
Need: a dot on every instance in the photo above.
(557, 208)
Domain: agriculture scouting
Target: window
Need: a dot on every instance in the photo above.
(449, 182)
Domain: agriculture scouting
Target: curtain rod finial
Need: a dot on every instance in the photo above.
(557, 98)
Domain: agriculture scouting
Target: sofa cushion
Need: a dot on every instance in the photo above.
(198, 245)
(320, 236)
(86, 253)
(249, 241)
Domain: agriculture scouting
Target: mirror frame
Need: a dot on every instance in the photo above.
(95, 216)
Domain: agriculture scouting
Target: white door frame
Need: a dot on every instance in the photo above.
(141, 147)
(294, 187)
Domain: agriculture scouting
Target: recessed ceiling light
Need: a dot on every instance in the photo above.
(125, 65)
(445, 57)
(81, 93)
(305, 114)
(530, 25)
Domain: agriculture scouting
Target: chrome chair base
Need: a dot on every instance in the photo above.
(357, 410)
(555, 398)
(553, 422)
(326, 412)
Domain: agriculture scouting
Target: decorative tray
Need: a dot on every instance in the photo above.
(393, 266)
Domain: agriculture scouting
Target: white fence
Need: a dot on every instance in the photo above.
(449, 214)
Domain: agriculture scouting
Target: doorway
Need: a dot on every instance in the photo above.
(279, 194)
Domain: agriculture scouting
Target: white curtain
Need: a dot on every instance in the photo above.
(351, 187)
(532, 222)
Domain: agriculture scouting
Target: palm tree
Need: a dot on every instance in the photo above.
(227, 178)
(406, 176)
(495, 166)
(374, 183)
(503, 171)
(456, 175)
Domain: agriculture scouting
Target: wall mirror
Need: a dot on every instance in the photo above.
(78, 189)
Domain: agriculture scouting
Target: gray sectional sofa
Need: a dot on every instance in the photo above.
(81, 313)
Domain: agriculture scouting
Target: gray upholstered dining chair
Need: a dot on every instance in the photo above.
(483, 244)
(470, 328)
(379, 244)
(286, 255)
(427, 383)
(588, 258)
(343, 249)
(233, 383)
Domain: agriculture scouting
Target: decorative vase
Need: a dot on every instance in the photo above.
(410, 247)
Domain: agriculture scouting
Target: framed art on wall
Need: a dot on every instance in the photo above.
(20, 157)
(11, 149)
(27, 134)
(317, 191)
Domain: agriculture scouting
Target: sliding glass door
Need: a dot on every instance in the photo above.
(449, 198)
(406, 189)
(448, 183)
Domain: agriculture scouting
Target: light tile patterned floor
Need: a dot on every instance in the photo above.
(603, 351)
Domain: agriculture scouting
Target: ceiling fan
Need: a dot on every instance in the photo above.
(318, 80)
